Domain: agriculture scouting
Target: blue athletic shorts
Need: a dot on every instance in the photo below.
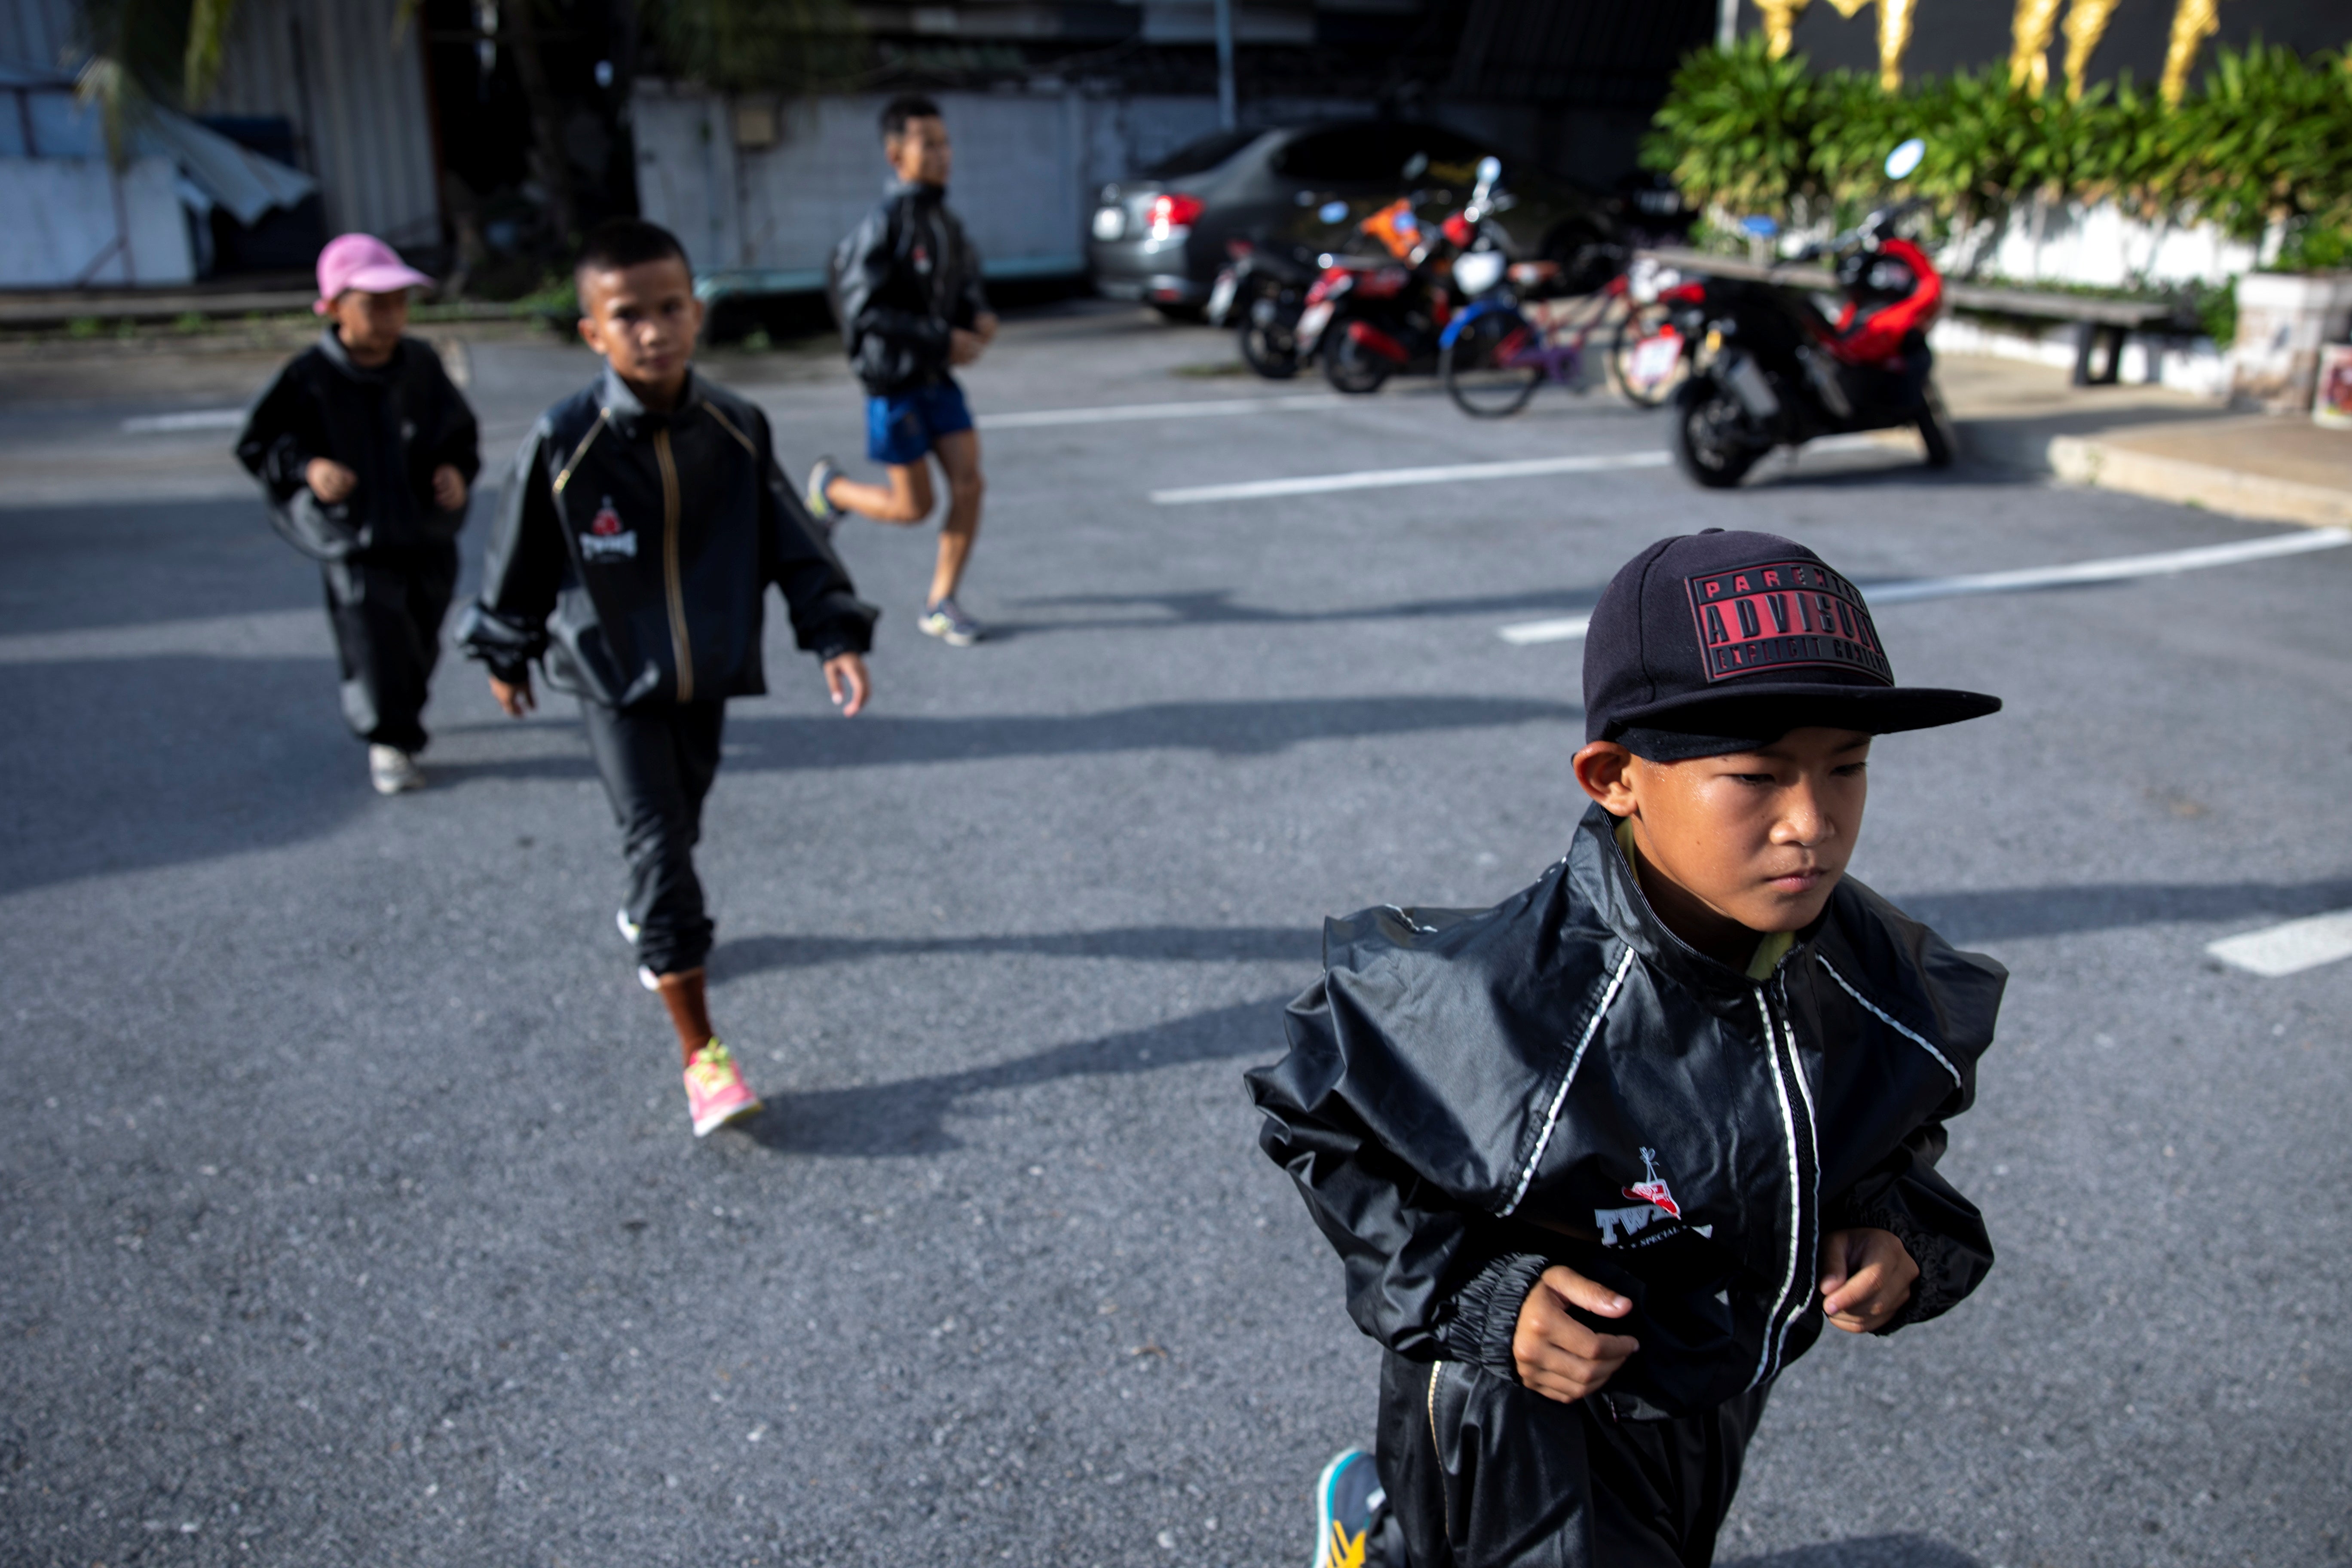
(901, 429)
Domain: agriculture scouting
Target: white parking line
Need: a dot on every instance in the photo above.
(1120, 413)
(2289, 949)
(1384, 479)
(194, 420)
(2116, 568)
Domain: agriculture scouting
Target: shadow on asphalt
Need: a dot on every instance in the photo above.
(909, 1116)
(1228, 729)
(1161, 944)
(2005, 912)
(1869, 1551)
(1214, 606)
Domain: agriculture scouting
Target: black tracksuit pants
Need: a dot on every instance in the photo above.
(1480, 1472)
(386, 609)
(658, 761)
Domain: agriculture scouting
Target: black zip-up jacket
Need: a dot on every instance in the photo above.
(392, 425)
(901, 280)
(1465, 1089)
(633, 550)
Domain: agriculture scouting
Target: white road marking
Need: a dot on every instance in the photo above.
(2289, 949)
(1384, 479)
(1120, 413)
(194, 420)
(2116, 568)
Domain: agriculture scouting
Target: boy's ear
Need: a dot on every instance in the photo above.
(1604, 771)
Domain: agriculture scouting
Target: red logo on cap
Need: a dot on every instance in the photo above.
(1783, 614)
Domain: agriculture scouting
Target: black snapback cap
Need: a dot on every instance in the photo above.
(1713, 642)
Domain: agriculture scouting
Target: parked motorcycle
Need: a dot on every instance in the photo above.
(1771, 369)
(1369, 316)
(1262, 291)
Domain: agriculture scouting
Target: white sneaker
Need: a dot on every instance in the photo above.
(628, 927)
(394, 771)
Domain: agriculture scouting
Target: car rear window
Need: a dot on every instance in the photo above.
(1370, 152)
(1197, 157)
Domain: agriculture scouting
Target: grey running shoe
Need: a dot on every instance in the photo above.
(394, 771)
(947, 622)
(820, 505)
(1348, 1499)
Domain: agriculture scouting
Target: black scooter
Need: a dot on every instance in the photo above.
(1771, 369)
(1262, 291)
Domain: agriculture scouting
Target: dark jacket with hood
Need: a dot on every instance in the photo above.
(392, 425)
(1466, 1089)
(901, 280)
(633, 550)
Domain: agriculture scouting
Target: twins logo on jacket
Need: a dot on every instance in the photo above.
(607, 539)
(1619, 1226)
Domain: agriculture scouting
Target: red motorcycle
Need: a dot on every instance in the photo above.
(1771, 369)
(1371, 315)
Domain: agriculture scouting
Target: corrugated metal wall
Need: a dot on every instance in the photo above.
(358, 105)
(34, 32)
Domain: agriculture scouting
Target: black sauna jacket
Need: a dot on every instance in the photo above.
(1471, 1095)
(633, 553)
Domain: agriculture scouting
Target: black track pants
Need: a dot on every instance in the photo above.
(386, 607)
(657, 761)
(1480, 1472)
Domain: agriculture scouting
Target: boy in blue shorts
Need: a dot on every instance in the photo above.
(907, 293)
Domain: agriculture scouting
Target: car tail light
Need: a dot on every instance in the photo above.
(1684, 294)
(1238, 248)
(1170, 216)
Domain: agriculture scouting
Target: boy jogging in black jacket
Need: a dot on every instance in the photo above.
(1601, 1160)
(907, 295)
(635, 544)
(365, 450)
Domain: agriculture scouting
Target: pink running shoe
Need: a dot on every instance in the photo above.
(715, 1093)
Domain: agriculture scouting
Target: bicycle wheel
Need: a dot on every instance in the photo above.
(1493, 367)
(1647, 357)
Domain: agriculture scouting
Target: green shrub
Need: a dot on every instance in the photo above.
(2266, 137)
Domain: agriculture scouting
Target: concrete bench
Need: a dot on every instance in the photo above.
(2100, 325)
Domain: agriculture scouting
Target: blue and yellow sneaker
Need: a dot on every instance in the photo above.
(1347, 1497)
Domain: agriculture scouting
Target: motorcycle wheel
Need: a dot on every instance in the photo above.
(1271, 351)
(1486, 370)
(1348, 365)
(1642, 324)
(1936, 432)
(1706, 439)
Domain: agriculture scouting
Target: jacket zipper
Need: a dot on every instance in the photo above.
(1780, 1051)
(680, 647)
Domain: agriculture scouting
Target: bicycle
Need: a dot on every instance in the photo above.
(1494, 354)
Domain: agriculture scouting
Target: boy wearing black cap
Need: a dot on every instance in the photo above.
(1601, 1160)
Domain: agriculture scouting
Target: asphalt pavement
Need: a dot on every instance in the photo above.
(350, 1210)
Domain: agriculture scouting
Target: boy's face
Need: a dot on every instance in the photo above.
(1757, 837)
(920, 153)
(369, 325)
(644, 321)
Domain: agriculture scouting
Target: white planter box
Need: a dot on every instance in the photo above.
(2282, 321)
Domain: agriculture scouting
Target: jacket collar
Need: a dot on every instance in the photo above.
(331, 345)
(917, 189)
(629, 414)
(1598, 872)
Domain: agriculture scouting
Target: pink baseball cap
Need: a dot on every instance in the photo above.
(361, 262)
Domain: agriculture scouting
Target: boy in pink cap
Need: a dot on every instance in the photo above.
(365, 451)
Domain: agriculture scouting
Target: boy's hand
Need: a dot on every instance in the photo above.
(1865, 1278)
(329, 480)
(448, 488)
(985, 325)
(964, 347)
(1558, 1357)
(846, 678)
(516, 699)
